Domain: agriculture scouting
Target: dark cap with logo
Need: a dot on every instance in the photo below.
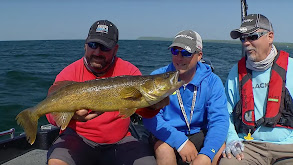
(250, 24)
(103, 32)
(188, 40)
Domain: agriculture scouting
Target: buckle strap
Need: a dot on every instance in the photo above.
(259, 122)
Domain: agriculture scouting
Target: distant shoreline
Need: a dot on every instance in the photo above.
(215, 41)
(171, 39)
(288, 44)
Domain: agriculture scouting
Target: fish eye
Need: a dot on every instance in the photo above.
(167, 75)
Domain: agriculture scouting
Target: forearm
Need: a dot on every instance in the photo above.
(232, 134)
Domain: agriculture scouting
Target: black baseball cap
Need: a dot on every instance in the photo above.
(103, 32)
(250, 24)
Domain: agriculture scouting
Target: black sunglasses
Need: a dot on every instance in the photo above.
(253, 36)
(95, 45)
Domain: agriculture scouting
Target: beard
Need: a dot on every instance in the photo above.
(251, 57)
(98, 64)
(251, 54)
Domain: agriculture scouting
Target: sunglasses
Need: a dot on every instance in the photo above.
(184, 52)
(95, 45)
(253, 36)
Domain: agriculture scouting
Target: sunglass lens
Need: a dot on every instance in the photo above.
(174, 51)
(185, 53)
(104, 48)
(253, 37)
(93, 45)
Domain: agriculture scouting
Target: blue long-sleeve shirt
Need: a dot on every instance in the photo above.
(210, 112)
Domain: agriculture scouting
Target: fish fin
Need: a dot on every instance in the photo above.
(28, 120)
(58, 85)
(130, 93)
(127, 112)
(62, 119)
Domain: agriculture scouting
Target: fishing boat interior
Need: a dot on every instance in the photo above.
(16, 150)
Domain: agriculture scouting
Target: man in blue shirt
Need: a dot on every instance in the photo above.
(194, 125)
(259, 97)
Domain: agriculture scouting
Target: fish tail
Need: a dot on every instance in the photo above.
(28, 120)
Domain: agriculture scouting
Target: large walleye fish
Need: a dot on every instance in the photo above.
(124, 93)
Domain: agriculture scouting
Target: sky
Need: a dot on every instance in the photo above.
(65, 19)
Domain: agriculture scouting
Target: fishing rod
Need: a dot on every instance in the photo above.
(244, 8)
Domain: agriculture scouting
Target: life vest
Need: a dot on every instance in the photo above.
(279, 109)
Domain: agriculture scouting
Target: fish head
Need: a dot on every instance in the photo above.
(160, 86)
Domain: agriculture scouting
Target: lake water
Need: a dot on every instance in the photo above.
(28, 68)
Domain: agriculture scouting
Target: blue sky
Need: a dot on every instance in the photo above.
(65, 19)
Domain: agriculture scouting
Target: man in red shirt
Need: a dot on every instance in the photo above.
(96, 137)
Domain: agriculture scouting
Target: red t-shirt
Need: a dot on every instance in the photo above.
(108, 127)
